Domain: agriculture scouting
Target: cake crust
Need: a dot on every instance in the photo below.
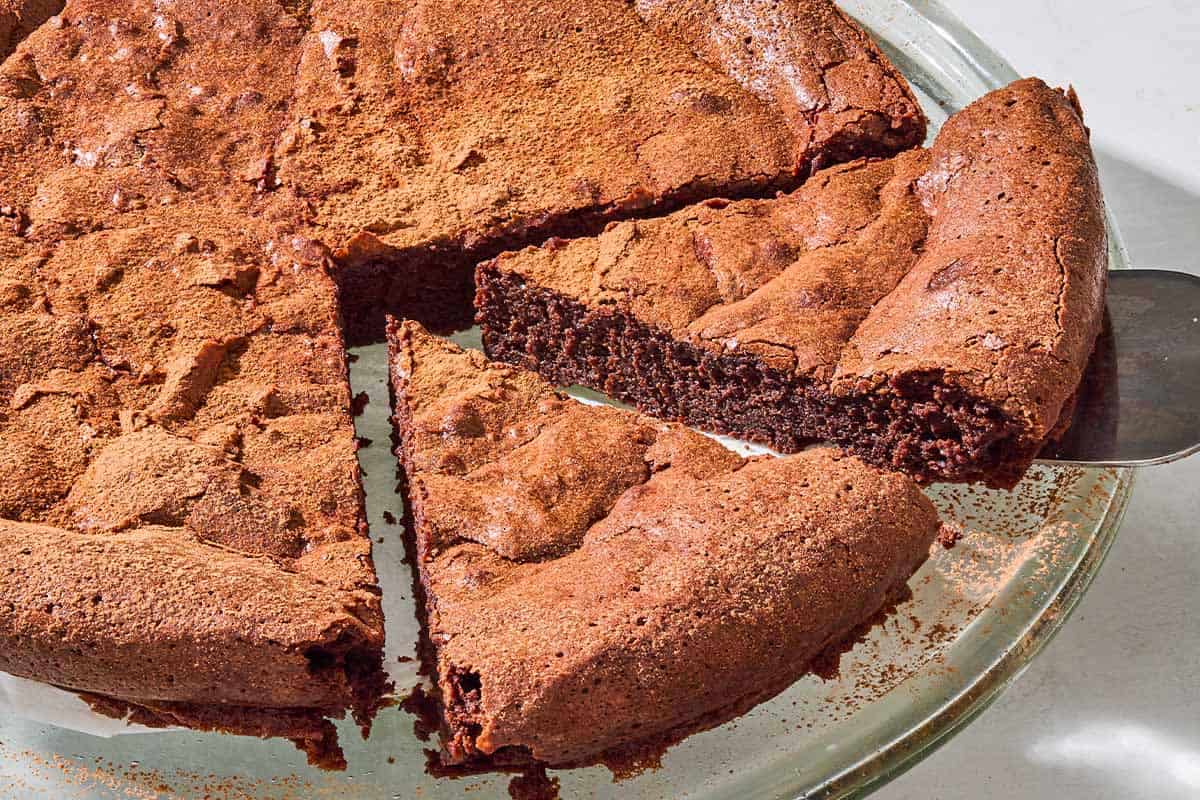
(617, 595)
(932, 312)
(813, 64)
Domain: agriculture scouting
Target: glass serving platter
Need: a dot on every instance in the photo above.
(979, 613)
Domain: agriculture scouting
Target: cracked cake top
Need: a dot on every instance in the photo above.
(981, 259)
(174, 405)
(440, 122)
(182, 357)
(594, 577)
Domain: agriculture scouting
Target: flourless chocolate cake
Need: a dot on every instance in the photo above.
(200, 202)
(179, 186)
(596, 580)
(932, 312)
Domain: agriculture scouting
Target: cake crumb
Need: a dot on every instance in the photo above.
(949, 535)
(359, 403)
(533, 784)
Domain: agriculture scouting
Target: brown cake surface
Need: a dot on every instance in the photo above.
(182, 515)
(594, 578)
(431, 134)
(19, 18)
(808, 61)
(933, 312)
(174, 408)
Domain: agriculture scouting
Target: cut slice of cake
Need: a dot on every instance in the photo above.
(429, 136)
(597, 581)
(159, 625)
(932, 312)
(179, 487)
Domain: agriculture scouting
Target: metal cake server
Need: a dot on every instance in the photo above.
(1139, 403)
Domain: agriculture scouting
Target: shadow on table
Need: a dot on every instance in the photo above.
(1159, 220)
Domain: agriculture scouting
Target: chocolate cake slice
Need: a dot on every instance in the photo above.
(180, 508)
(597, 581)
(431, 135)
(162, 625)
(932, 312)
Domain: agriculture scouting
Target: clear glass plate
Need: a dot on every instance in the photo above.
(979, 613)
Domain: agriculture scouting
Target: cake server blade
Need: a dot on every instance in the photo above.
(1139, 402)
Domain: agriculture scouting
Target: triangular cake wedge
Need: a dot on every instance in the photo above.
(597, 581)
(152, 624)
(183, 525)
(931, 313)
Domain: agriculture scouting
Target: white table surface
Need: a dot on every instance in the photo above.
(1111, 708)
